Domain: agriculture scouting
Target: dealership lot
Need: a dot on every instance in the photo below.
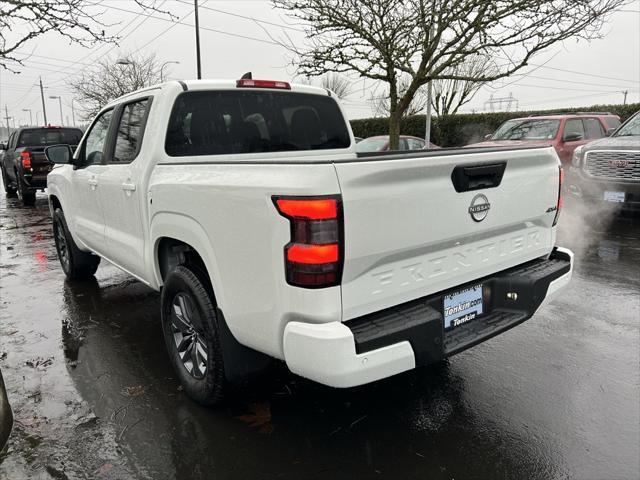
(93, 390)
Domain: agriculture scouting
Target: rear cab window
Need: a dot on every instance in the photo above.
(219, 122)
(40, 137)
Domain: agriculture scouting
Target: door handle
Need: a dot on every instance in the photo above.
(93, 183)
(129, 187)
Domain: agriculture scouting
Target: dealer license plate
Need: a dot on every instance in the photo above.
(616, 197)
(462, 306)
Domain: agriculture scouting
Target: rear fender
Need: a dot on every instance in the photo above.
(186, 229)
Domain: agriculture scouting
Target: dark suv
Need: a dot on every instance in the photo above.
(23, 163)
(608, 170)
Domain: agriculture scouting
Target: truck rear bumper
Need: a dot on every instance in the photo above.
(400, 338)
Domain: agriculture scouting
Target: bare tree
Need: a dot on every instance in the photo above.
(338, 84)
(77, 20)
(428, 39)
(109, 80)
(381, 103)
(449, 94)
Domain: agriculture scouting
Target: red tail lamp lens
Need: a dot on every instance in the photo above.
(26, 159)
(312, 209)
(313, 254)
(313, 257)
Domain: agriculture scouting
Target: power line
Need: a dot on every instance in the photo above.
(224, 12)
(222, 32)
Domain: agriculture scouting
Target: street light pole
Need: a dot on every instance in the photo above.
(73, 113)
(164, 65)
(60, 103)
(195, 3)
(30, 115)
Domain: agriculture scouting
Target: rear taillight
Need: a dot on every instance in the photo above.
(560, 196)
(313, 257)
(26, 159)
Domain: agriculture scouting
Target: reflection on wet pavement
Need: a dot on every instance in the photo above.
(94, 395)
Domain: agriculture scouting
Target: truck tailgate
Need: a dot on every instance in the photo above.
(408, 233)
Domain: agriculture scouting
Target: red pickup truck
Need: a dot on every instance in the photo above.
(564, 132)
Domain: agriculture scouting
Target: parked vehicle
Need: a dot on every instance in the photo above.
(247, 205)
(24, 166)
(608, 170)
(563, 132)
(6, 416)
(381, 144)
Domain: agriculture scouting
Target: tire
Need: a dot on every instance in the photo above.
(76, 264)
(191, 334)
(26, 196)
(9, 190)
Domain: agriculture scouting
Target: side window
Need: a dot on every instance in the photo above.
(94, 146)
(594, 128)
(403, 145)
(415, 144)
(130, 130)
(573, 126)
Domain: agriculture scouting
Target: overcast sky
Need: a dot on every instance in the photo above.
(571, 74)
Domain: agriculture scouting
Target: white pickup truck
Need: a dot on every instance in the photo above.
(245, 203)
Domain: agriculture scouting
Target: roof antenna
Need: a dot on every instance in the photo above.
(246, 76)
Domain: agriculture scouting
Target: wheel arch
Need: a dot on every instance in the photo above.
(179, 239)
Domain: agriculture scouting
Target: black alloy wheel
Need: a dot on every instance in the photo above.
(192, 338)
(189, 340)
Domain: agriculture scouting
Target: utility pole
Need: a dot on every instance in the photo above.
(625, 97)
(195, 2)
(73, 113)
(44, 108)
(7, 117)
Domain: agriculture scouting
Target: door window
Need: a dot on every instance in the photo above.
(594, 128)
(402, 145)
(415, 144)
(94, 146)
(130, 130)
(573, 126)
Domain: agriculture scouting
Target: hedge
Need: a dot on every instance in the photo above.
(462, 129)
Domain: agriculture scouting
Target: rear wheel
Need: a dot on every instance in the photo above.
(191, 335)
(9, 189)
(76, 264)
(26, 196)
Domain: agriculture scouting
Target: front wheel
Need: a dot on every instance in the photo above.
(9, 189)
(191, 335)
(76, 264)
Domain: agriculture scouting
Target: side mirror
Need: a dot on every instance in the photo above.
(60, 154)
(488, 136)
(3, 146)
(572, 137)
(609, 132)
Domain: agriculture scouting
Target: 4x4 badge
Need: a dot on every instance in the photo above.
(479, 207)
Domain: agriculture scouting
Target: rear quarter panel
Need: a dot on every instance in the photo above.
(225, 211)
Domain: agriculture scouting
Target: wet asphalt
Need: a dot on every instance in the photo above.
(94, 395)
